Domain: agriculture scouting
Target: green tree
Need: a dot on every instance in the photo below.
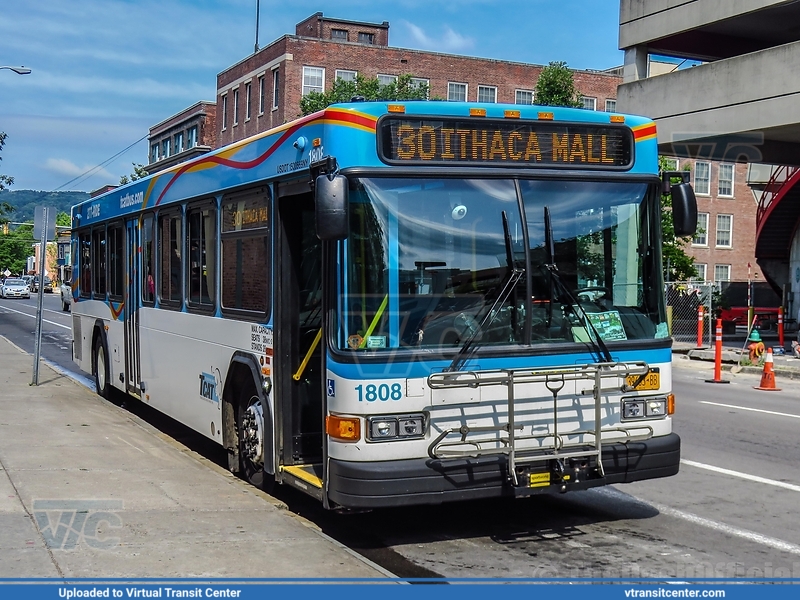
(138, 173)
(369, 89)
(15, 247)
(63, 219)
(556, 87)
(5, 181)
(678, 266)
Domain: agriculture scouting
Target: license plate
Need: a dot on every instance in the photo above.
(539, 479)
(650, 381)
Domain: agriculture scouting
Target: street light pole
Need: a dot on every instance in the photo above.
(18, 70)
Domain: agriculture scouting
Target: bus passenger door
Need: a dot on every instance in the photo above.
(133, 375)
(298, 368)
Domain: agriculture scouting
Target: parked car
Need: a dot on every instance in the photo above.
(14, 288)
(66, 295)
(48, 285)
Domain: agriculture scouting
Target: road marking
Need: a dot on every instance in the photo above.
(34, 316)
(748, 477)
(760, 410)
(746, 534)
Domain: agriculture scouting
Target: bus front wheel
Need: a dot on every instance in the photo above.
(253, 441)
(100, 367)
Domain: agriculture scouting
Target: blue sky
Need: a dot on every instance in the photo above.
(105, 71)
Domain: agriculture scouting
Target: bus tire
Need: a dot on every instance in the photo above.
(100, 367)
(247, 424)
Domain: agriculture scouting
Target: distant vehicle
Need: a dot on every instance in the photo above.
(66, 295)
(48, 285)
(14, 288)
(28, 279)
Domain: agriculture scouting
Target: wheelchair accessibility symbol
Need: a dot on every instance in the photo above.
(331, 388)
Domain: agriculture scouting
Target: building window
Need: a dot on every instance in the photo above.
(154, 153)
(725, 186)
(611, 105)
(702, 178)
(313, 80)
(346, 75)
(276, 86)
(385, 80)
(457, 92)
(166, 148)
(701, 238)
(722, 272)
(178, 142)
(701, 269)
(724, 231)
(366, 38)
(339, 34)
(236, 107)
(589, 103)
(224, 112)
(261, 95)
(670, 164)
(523, 97)
(191, 137)
(419, 82)
(487, 93)
(247, 95)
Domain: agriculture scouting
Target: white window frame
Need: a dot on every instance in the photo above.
(261, 93)
(236, 107)
(705, 190)
(348, 73)
(178, 137)
(224, 111)
(385, 80)
(191, 137)
(671, 163)
(450, 86)
(276, 87)
(155, 152)
(729, 231)
(589, 103)
(166, 147)
(718, 268)
(492, 89)
(702, 271)
(725, 166)
(248, 96)
(307, 88)
(517, 99)
(701, 239)
(611, 105)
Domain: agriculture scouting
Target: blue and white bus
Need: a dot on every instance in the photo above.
(385, 304)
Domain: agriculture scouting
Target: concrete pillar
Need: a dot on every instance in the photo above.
(635, 65)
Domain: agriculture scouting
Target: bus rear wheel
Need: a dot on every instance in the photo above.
(253, 442)
(100, 364)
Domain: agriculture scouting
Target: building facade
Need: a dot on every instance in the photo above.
(182, 136)
(264, 90)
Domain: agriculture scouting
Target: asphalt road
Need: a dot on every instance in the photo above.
(731, 511)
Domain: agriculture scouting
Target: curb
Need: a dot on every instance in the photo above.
(728, 361)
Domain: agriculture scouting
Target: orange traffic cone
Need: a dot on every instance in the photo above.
(768, 376)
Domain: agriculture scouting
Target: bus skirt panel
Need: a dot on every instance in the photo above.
(428, 481)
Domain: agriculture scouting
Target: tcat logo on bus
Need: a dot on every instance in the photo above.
(505, 143)
(208, 386)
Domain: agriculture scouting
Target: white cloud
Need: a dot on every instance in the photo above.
(62, 166)
(449, 41)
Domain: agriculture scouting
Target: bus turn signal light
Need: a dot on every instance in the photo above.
(670, 404)
(346, 429)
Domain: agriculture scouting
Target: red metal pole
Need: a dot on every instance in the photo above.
(780, 326)
(700, 326)
(718, 353)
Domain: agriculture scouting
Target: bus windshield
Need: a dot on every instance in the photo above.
(427, 260)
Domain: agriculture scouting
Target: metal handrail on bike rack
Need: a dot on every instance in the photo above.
(554, 379)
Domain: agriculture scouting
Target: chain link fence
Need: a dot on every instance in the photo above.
(683, 301)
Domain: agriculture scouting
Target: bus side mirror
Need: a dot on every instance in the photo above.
(331, 201)
(684, 210)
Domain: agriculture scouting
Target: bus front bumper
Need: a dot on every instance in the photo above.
(427, 481)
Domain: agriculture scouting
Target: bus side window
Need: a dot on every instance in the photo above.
(148, 272)
(85, 264)
(169, 259)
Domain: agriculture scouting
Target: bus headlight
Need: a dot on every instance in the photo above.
(644, 408)
(395, 427)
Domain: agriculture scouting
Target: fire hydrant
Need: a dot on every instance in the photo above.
(756, 346)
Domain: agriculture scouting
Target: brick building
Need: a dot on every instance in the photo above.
(182, 136)
(726, 220)
(264, 89)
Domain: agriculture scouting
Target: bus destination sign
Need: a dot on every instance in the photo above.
(428, 141)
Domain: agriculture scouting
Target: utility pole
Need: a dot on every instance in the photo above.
(258, 10)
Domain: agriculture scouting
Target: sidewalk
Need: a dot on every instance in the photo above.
(89, 490)
(785, 366)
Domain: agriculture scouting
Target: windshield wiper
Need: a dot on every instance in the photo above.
(555, 277)
(514, 275)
